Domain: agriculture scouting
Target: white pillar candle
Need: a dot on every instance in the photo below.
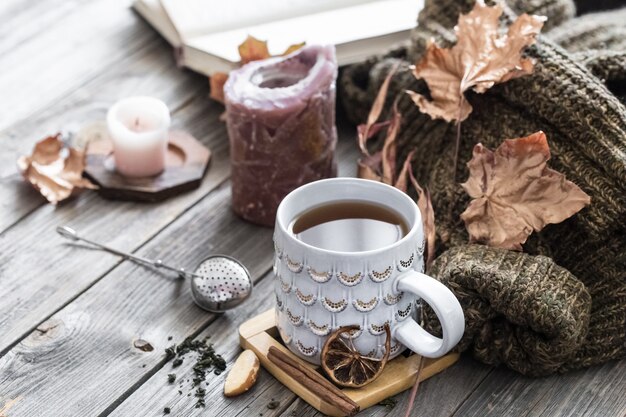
(139, 127)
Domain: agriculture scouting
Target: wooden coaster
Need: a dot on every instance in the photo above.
(260, 332)
(186, 163)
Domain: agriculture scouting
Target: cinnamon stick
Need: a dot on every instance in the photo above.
(313, 381)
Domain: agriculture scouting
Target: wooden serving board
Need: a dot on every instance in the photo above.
(260, 332)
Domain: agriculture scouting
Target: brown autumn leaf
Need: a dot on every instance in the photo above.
(55, 170)
(370, 128)
(514, 192)
(251, 49)
(481, 58)
(381, 166)
(216, 82)
(425, 204)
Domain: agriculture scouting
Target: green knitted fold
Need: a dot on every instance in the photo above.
(535, 334)
(576, 98)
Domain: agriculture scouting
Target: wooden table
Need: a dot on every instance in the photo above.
(69, 316)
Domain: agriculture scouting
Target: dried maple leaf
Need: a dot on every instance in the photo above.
(481, 58)
(252, 49)
(54, 170)
(216, 82)
(514, 193)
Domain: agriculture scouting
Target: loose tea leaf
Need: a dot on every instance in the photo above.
(272, 405)
(251, 49)
(481, 57)
(388, 403)
(143, 345)
(206, 360)
(55, 170)
(514, 192)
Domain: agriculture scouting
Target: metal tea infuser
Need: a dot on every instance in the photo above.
(218, 283)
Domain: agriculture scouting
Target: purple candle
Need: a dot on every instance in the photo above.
(281, 124)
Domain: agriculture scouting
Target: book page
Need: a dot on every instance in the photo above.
(337, 27)
(193, 18)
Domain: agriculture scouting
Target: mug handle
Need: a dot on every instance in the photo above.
(445, 305)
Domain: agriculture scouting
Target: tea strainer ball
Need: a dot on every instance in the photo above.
(219, 282)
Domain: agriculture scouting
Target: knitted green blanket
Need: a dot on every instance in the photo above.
(536, 314)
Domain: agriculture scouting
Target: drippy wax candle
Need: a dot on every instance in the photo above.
(281, 123)
(139, 127)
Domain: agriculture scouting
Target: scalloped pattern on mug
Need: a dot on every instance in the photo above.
(319, 277)
(284, 286)
(406, 264)
(352, 334)
(278, 251)
(334, 306)
(391, 299)
(382, 276)
(371, 353)
(395, 348)
(402, 315)
(307, 300)
(319, 330)
(293, 266)
(376, 329)
(279, 303)
(284, 336)
(306, 350)
(350, 280)
(294, 319)
(421, 247)
(365, 306)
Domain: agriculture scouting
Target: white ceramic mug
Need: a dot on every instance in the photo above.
(319, 290)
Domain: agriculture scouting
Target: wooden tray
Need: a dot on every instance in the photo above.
(186, 163)
(259, 333)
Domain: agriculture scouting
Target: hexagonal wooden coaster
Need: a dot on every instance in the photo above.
(186, 163)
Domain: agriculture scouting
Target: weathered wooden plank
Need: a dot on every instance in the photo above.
(66, 53)
(38, 274)
(99, 326)
(156, 393)
(149, 72)
(596, 391)
(88, 345)
(152, 395)
(21, 22)
(438, 396)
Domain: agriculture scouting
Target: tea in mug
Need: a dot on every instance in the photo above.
(350, 226)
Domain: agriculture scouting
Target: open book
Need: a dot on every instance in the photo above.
(208, 33)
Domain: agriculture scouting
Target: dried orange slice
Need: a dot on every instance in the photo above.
(344, 364)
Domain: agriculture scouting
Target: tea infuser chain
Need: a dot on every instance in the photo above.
(219, 283)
